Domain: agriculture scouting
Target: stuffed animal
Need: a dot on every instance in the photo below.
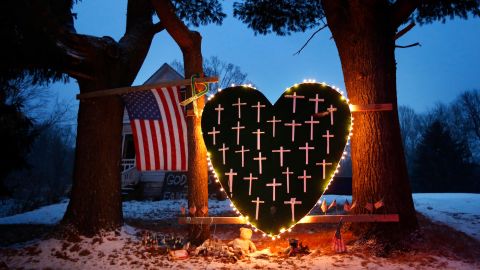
(243, 244)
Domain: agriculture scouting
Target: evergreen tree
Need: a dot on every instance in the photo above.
(441, 164)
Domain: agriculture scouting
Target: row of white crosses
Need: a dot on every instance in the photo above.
(292, 202)
(258, 133)
(274, 184)
(281, 151)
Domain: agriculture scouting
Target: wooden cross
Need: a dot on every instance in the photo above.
(331, 110)
(274, 186)
(328, 136)
(260, 159)
(258, 106)
(281, 151)
(306, 148)
(223, 150)
(288, 172)
(258, 202)
(316, 100)
(293, 202)
(293, 125)
(237, 128)
(312, 123)
(250, 178)
(258, 133)
(214, 134)
(324, 164)
(274, 121)
(243, 150)
(294, 97)
(304, 177)
(219, 110)
(239, 105)
(230, 175)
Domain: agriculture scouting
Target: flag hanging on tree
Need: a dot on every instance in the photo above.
(159, 129)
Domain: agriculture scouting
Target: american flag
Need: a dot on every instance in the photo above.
(159, 129)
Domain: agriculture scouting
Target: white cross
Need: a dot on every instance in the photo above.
(281, 151)
(260, 159)
(306, 148)
(230, 175)
(258, 106)
(239, 107)
(219, 110)
(312, 123)
(293, 202)
(214, 134)
(258, 202)
(328, 136)
(250, 178)
(304, 177)
(274, 185)
(223, 149)
(316, 100)
(331, 109)
(324, 164)
(237, 128)
(243, 150)
(274, 121)
(258, 133)
(293, 125)
(288, 172)
(294, 96)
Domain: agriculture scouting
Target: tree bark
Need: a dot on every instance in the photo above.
(364, 33)
(190, 45)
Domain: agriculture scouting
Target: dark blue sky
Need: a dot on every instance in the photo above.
(446, 64)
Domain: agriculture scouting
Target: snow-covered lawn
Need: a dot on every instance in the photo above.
(124, 251)
(458, 210)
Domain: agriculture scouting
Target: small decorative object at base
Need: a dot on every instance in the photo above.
(296, 248)
(337, 242)
(243, 244)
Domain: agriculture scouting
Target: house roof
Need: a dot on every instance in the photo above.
(163, 74)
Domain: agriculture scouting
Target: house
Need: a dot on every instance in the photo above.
(150, 182)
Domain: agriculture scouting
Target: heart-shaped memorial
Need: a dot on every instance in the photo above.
(276, 161)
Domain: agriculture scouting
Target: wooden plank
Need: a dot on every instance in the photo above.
(305, 220)
(371, 107)
(124, 90)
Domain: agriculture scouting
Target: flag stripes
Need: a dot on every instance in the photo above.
(160, 133)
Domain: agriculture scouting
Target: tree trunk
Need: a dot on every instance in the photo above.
(197, 151)
(190, 42)
(95, 202)
(365, 39)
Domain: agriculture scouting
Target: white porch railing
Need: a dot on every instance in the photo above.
(127, 164)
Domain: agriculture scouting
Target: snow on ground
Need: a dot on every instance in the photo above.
(458, 210)
(123, 251)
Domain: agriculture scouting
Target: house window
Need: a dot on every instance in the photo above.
(128, 147)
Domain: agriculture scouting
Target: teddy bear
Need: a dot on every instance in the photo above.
(243, 244)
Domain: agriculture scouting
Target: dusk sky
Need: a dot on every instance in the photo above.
(446, 64)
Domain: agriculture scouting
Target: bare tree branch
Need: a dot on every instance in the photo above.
(306, 43)
(404, 30)
(408, 46)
